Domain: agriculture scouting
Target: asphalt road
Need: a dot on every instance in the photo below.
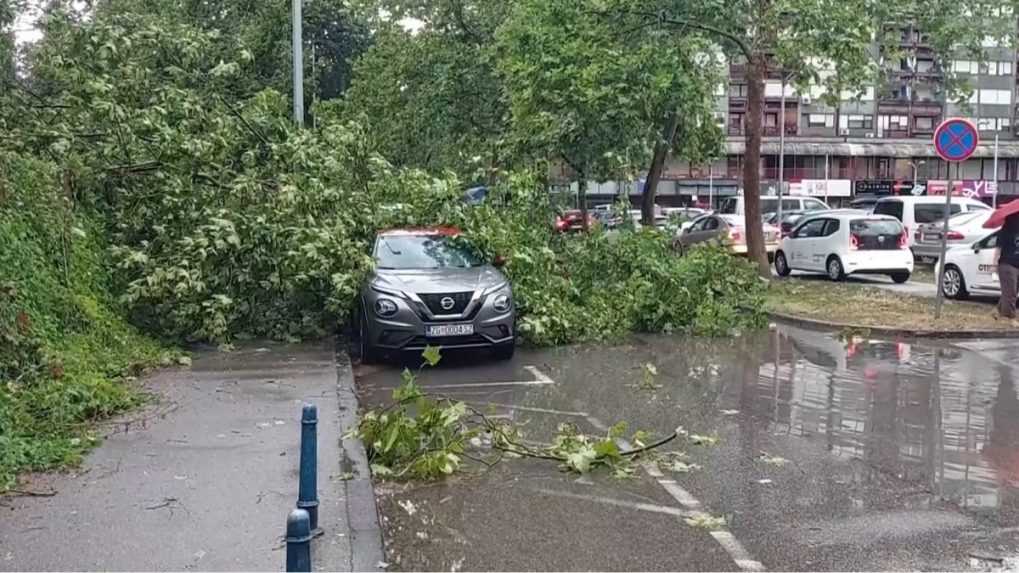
(860, 455)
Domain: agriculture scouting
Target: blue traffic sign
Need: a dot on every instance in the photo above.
(956, 139)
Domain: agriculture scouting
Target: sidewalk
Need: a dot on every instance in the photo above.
(203, 479)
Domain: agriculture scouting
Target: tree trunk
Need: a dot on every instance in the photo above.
(582, 199)
(654, 173)
(756, 67)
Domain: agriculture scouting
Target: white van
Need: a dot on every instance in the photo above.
(915, 211)
(769, 205)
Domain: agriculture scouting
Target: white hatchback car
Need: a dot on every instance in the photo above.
(846, 242)
(971, 269)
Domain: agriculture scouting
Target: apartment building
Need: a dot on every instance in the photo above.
(875, 141)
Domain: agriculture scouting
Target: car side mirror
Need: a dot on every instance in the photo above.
(499, 261)
(976, 248)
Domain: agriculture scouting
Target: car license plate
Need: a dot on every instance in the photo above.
(436, 330)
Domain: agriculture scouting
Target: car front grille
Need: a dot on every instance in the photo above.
(434, 302)
(422, 341)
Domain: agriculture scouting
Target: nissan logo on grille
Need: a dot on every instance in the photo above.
(447, 303)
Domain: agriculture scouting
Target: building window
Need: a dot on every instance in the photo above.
(999, 97)
(893, 122)
(771, 120)
(736, 122)
(859, 121)
(738, 90)
(995, 123)
(964, 67)
(821, 120)
(924, 124)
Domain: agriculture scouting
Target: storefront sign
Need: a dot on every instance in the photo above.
(822, 188)
(883, 187)
(977, 189)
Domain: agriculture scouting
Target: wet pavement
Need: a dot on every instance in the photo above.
(203, 479)
(832, 455)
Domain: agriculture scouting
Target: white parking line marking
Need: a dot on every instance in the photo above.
(652, 507)
(539, 375)
(729, 543)
(533, 409)
(540, 379)
(486, 384)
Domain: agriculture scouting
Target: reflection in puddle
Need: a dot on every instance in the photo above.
(931, 414)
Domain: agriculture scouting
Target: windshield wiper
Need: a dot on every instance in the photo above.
(391, 249)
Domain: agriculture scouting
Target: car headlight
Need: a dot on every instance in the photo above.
(385, 307)
(502, 302)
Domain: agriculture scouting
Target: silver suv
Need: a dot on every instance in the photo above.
(431, 288)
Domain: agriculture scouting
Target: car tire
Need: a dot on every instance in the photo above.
(900, 278)
(369, 354)
(782, 265)
(504, 351)
(954, 284)
(836, 272)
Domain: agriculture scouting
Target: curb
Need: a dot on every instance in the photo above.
(366, 547)
(898, 332)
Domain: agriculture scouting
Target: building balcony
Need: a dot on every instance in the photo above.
(773, 131)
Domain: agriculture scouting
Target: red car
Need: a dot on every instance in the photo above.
(572, 220)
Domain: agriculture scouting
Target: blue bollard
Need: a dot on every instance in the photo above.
(298, 541)
(307, 493)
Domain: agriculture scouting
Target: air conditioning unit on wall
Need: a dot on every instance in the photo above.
(844, 131)
(805, 100)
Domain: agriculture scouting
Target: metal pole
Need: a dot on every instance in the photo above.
(995, 171)
(298, 541)
(298, 64)
(711, 187)
(827, 157)
(781, 150)
(307, 493)
(939, 298)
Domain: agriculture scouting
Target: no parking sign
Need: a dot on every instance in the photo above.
(955, 140)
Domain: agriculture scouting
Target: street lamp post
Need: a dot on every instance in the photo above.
(298, 63)
(781, 150)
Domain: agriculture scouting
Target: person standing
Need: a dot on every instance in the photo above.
(1008, 266)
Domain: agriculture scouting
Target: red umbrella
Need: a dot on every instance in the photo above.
(998, 217)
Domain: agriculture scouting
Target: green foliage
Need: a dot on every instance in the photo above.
(603, 285)
(63, 346)
(429, 101)
(417, 436)
(224, 220)
(595, 91)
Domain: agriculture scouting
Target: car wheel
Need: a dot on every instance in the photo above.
(954, 284)
(900, 278)
(369, 354)
(835, 270)
(504, 351)
(782, 265)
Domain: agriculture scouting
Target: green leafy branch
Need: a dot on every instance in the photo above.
(421, 435)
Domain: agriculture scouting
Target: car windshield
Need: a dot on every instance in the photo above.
(874, 227)
(425, 252)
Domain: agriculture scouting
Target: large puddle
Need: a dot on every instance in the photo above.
(923, 412)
